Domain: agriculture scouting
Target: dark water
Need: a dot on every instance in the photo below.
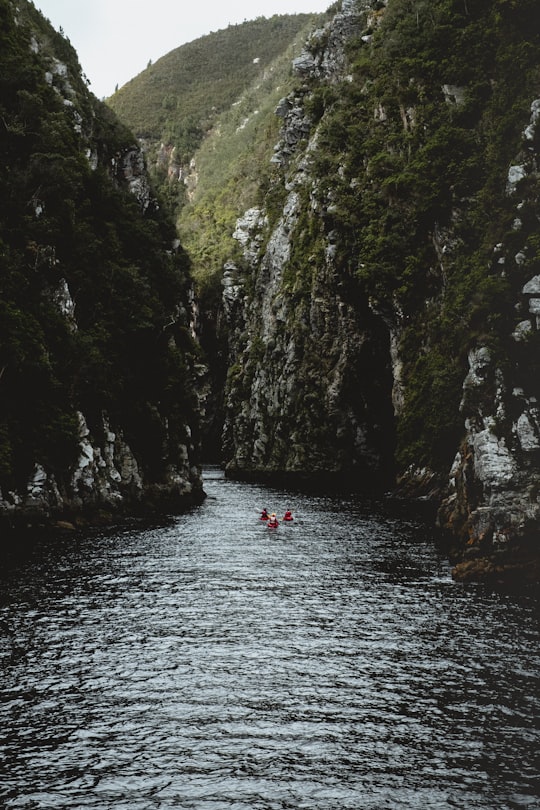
(214, 664)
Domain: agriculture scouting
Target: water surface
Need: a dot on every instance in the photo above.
(213, 664)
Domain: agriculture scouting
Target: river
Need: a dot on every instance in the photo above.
(211, 663)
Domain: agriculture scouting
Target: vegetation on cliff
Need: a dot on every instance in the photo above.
(411, 160)
(205, 113)
(179, 98)
(413, 151)
(93, 298)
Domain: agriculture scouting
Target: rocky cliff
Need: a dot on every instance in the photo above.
(304, 342)
(494, 501)
(98, 403)
(383, 323)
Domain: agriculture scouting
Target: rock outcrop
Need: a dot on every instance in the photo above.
(106, 482)
(494, 500)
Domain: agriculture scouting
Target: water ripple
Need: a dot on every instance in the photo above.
(211, 664)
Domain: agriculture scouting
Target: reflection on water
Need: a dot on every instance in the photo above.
(210, 663)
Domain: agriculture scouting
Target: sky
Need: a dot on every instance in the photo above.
(116, 39)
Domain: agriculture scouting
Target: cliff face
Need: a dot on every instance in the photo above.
(98, 406)
(305, 342)
(383, 324)
(493, 502)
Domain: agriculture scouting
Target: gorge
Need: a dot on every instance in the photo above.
(374, 325)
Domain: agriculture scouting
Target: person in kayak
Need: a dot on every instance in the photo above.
(288, 515)
(273, 523)
(264, 515)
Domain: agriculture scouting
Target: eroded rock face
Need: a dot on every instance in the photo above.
(324, 57)
(494, 500)
(323, 60)
(106, 479)
(130, 169)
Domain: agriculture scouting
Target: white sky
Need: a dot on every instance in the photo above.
(115, 39)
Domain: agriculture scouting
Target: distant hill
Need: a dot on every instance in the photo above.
(179, 97)
(206, 115)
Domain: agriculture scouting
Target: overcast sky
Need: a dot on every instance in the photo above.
(115, 39)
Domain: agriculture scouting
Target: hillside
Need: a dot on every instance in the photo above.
(205, 115)
(178, 98)
(98, 409)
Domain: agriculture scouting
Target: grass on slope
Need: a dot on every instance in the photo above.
(199, 80)
(231, 167)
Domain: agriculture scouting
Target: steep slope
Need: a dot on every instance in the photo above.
(382, 320)
(98, 408)
(228, 169)
(178, 99)
(204, 114)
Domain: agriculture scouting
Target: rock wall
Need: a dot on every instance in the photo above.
(493, 504)
(308, 393)
(106, 482)
(320, 369)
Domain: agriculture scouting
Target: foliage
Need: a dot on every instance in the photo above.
(410, 172)
(213, 100)
(182, 94)
(67, 219)
(230, 165)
